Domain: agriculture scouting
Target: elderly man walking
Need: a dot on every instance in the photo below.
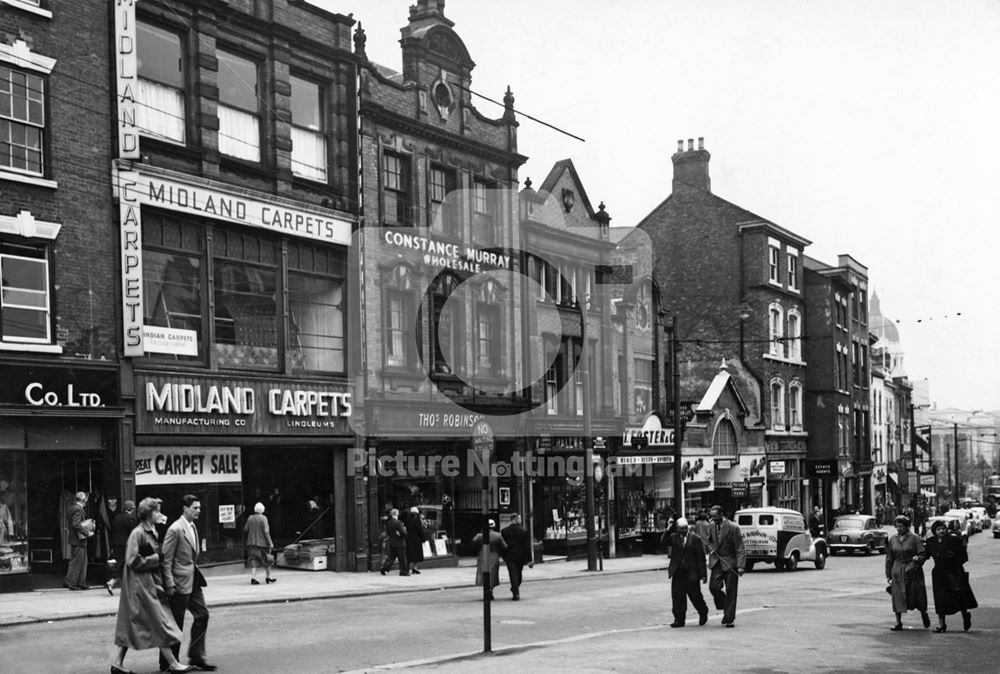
(727, 560)
(80, 529)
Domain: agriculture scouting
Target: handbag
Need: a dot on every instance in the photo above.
(87, 528)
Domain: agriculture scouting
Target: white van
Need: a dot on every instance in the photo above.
(779, 536)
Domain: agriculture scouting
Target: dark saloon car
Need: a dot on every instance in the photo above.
(857, 532)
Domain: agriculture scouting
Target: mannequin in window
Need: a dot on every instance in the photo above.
(6, 518)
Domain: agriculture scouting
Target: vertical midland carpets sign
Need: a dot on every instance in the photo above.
(126, 71)
(130, 239)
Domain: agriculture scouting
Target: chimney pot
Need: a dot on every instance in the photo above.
(701, 142)
(680, 145)
(690, 144)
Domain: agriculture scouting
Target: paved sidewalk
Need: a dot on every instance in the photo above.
(295, 585)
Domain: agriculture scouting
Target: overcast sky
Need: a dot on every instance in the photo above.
(870, 128)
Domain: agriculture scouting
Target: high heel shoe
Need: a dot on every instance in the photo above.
(254, 581)
(941, 628)
(270, 580)
(967, 621)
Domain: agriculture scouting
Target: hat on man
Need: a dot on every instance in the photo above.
(414, 509)
(681, 523)
(492, 524)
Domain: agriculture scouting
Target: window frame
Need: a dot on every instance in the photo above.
(777, 391)
(642, 384)
(439, 293)
(28, 123)
(438, 201)
(144, 107)
(793, 335)
(236, 110)
(488, 306)
(484, 212)
(773, 263)
(795, 406)
(401, 192)
(42, 259)
(776, 330)
(792, 260)
(318, 135)
(400, 287)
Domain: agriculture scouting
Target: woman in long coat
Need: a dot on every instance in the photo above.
(144, 619)
(415, 538)
(951, 584)
(904, 558)
(259, 544)
(497, 546)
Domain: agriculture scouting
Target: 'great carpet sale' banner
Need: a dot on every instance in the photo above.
(187, 465)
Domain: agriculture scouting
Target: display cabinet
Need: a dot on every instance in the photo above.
(13, 513)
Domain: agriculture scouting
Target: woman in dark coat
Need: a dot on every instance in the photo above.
(904, 558)
(121, 526)
(144, 619)
(490, 562)
(951, 584)
(415, 538)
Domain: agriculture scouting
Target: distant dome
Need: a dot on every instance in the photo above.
(881, 327)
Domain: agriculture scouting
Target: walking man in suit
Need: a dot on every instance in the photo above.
(727, 560)
(183, 581)
(395, 533)
(519, 552)
(686, 570)
(76, 573)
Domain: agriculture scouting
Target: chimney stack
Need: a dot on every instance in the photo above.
(691, 167)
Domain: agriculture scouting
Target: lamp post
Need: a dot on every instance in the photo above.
(675, 397)
(588, 442)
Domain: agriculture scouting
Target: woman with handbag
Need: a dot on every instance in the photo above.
(259, 544)
(904, 559)
(950, 581)
(144, 618)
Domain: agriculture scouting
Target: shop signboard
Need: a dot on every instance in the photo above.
(174, 341)
(187, 465)
(927, 480)
(821, 468)
(651, 434)
(62, 388)
(777, 467)
(698, 474)
(202, 405)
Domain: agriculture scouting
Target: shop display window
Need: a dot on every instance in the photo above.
(220, 526)
(13, 513)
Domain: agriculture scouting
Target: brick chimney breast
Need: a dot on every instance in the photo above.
(691, 167)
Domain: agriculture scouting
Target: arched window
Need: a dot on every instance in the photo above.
(777, 405)
(447, 326)
(795, 405)
(776, 329)
(724, 441)
(400, 319)
(793, 335)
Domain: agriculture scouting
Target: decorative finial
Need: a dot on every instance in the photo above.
(359, 42)
(527, 183)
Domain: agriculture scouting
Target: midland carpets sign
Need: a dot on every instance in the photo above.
(199, 405)
(187, 465)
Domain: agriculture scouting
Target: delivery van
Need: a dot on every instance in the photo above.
(779, 536)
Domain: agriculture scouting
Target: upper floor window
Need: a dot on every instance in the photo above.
(793, 336)
(396, 188)
(400, 319)
(795, 406)
(483, 207)
(793, 270)
(488, 341)
(863, 306)
(444, 211)
(446, 328)
(773, 256)
(643, 386)
(160, 94)
(308, 134)
(724, 440)
(552, 390)
(316, 308)
(643, 306)
(778, 405)
(22, 121)
(239, 107)
(776, 330)
(24, 298)
(172, 274)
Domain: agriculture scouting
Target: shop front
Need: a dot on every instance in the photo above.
(644, 494)
(237, 441)
(787, 489)
(741, 482)
(58, 430)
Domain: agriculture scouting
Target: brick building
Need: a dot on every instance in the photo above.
(838, 399)
(440, 356)
(59, 397)
(236, 176)
(734, 280)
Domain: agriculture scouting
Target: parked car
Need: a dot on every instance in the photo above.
(996, 527)
(857, 532)
(977, 520)
(964, 518)
(954, 526)
(779, 536)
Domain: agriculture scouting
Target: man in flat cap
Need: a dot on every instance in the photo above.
(687, 569)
